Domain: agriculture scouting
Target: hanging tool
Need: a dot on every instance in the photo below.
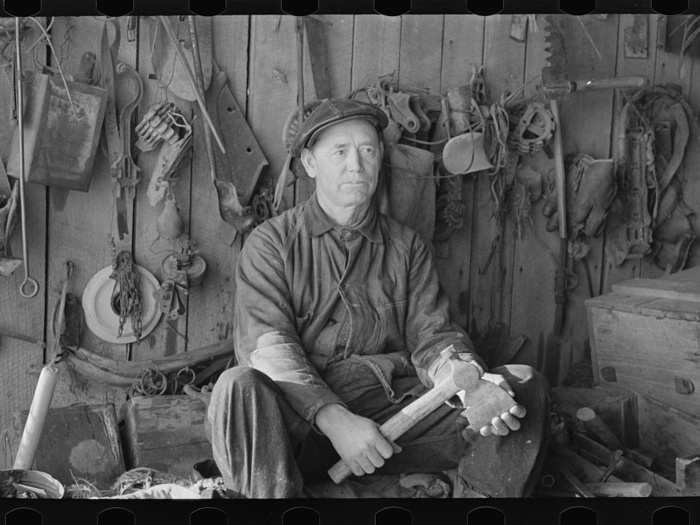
(199, 97)
(113, 139)
(29, 286)
(175, 133)
(230, 208)
(167, 67)
(244, 160)
(560, 280)
(555, 84)
(555, 79)
(486, 401)
(561, 88)
(127, 171)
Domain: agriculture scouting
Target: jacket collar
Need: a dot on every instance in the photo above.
(318, 222)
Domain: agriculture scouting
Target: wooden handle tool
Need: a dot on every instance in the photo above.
(486, 401)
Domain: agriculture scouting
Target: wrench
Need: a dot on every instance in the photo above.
(29, 286)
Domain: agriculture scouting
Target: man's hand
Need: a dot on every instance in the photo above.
(508, 421)
(357, 440)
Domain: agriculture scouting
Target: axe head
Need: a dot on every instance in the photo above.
(485, 402)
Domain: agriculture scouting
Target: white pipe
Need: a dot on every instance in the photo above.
(36, 418)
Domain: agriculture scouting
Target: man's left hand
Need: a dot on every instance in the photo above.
(507, 422)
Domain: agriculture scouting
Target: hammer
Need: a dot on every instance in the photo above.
(485, 401)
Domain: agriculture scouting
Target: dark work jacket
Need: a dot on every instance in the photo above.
(311, 296)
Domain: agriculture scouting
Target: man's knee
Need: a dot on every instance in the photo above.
(239, 379)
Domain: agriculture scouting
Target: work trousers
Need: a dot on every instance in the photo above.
(264, 449)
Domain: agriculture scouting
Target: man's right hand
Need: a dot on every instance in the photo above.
(357, 440)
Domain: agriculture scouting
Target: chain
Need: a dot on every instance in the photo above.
(126, 294)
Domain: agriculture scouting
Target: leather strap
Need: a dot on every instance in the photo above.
(115, 151)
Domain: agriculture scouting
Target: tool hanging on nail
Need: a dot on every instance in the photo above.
(230, 209)
(198, 96)
(127, 171)
(29, 286)
(113, 138)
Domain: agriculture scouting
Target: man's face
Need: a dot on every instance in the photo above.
(345, 161)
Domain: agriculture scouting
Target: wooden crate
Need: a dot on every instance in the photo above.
(78, 442)
(645, 336)
(165, 433)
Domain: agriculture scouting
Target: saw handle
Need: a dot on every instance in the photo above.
(567, 87)
(612, 83)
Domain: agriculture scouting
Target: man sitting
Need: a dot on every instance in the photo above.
(339, 322)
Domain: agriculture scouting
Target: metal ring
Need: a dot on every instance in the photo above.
(34, 287)
(180, 374)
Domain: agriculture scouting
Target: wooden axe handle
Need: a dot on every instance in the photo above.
(400, 422)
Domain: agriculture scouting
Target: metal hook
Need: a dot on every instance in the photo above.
(28, 284)
(33, 286)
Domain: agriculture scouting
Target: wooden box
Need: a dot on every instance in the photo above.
(78, 442)
(165, 433)
(645, 336)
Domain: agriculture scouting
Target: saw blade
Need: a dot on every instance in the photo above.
(555, 50)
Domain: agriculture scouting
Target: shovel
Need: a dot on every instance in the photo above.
(230, 208)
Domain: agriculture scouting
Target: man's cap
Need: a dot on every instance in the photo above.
(332, 111)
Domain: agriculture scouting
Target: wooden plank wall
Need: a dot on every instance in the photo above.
(258, 53)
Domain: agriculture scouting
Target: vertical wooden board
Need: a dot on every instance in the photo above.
(81, 223)
(272, 87)
(504, 63)
(586, 120)
(463, 43)
(375, 48)
(611, 273)
(420, 53)
(534, 267)
(168, 338)
(210, 306)
(338, 30)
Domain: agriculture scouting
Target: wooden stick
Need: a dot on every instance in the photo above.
(200, 100)
(620, 489)
(628, 469)
(581, 467)
(593, 424)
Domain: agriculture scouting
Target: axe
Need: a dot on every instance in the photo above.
(485, 401)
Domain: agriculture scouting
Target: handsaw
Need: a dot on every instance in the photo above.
(556, 81)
